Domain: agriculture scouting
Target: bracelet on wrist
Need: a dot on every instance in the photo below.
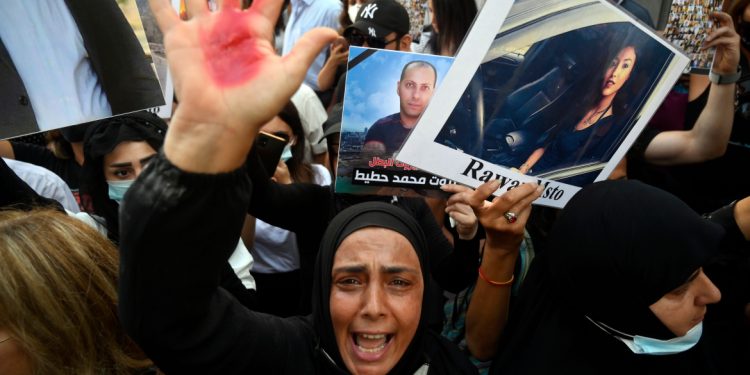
(495, 283)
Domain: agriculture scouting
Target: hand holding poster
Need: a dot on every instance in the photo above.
(386, 93)
(560, 91)
(688, 25)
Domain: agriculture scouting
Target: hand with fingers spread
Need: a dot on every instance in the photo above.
(458, 208)
(228, 78)
(727, 43)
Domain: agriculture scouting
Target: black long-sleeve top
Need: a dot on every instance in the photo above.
(175, 239)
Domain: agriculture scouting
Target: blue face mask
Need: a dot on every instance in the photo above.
(647, 345)
(117, 189)
(287, 153)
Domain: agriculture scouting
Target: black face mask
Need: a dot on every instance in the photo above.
(745, 34)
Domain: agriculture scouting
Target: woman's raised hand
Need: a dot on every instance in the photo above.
(505, 217)
(727, 43)
(228, 78)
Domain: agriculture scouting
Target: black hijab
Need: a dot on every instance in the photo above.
(426, 347)
(101, 138)
(617, 248)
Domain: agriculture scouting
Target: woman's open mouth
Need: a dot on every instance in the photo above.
(368, 346)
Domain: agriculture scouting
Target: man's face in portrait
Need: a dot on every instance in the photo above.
(415, 91)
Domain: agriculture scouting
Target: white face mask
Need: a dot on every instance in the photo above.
(353, 10)
(286, 154)
(647, 345)
(117, 189)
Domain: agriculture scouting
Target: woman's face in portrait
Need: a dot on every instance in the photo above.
(619, 71)
(685, 307)
(376, 299)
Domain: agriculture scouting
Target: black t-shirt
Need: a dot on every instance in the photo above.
(389, 131)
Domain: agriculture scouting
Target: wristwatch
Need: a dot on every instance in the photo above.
(725, 79)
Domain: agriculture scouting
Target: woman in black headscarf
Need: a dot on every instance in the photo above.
(368, 295)
(101, 139)
(620, 290)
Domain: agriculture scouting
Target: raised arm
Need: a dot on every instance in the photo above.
(503, 221)
(708, 138)
(180, 220)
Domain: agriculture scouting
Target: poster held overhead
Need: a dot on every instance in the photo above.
(386, 92)
(558, 90)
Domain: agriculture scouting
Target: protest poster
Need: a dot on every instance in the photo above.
(560, 89)
(386, 92)
(688, 24)
(71, 62)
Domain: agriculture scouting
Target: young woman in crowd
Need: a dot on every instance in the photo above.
(117, 150)
(277, 262)
(58, 299)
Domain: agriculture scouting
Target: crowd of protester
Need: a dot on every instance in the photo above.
(135, 245)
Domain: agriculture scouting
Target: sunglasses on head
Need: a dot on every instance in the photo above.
(355, 38)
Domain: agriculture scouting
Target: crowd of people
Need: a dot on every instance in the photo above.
(137, 246)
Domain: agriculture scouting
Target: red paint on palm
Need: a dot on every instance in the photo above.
(230, 50)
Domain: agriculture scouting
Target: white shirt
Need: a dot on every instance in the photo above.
(312, 115)
(307, 14)
(44, 183)
(275, 249)
(47, 50)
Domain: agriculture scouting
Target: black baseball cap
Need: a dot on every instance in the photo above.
(378, 18)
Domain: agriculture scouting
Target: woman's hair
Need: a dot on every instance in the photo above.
(58, 295)
(454, 18)
(299, 169)
(736, 11)
(101, 138)
(618, 37)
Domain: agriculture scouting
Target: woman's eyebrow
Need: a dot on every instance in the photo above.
(357, 268)
(397, 269)
(120, 165)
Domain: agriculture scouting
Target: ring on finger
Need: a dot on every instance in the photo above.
(511, 217)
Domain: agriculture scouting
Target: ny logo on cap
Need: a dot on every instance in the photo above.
(372, 32)
(369, 11)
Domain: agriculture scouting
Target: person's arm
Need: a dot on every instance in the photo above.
(708, 138)
(339, 55)
(488, 309)
(296, 207)
(531, 161)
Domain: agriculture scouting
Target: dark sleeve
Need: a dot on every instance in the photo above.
(177, 230)
(296, 207)
(116, 56)
(16, 193)
(453, 269)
